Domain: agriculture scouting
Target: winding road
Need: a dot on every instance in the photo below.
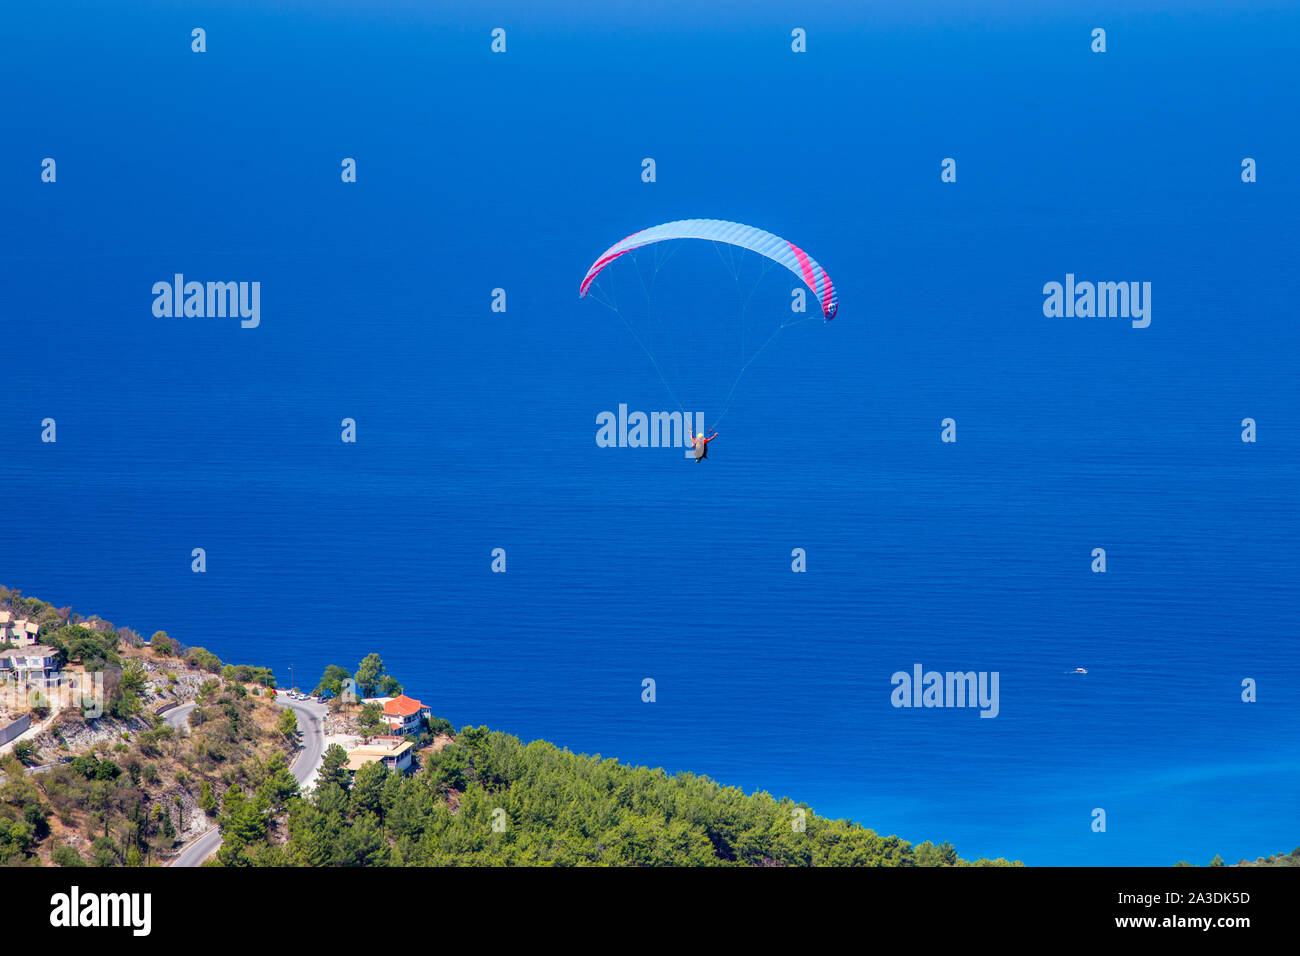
(311, 716)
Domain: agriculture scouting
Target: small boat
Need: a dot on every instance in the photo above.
(1080, 670)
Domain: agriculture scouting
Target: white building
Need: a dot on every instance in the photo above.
(20, 633)
(393, 752)
(36, 665)
(402, 714)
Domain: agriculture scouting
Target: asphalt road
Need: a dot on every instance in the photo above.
(178, 718)
(311, 726)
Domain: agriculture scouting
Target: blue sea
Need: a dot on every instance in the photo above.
(476, 429)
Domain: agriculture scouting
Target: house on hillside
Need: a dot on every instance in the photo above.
(36, 665)
(403, 715)
(393, 752)
(20, 633)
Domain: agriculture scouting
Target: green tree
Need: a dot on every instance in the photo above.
(124, 699)
(162, 644)
(368, 788)
(288, 725)
(332, 768)
(363, 843)
(163, 817)
(243, 824)
(95, 650)
(204, 659)
(371, 720)
(370, 670)
(40, 705)
(331, 681)
(105, 852)
(20, 836)
(92, 768)
(35, 814)
(312, 833)
(65, 855)
(279, 786)
(248, 674)
(134, 678)
(448, 767)
(207, 799)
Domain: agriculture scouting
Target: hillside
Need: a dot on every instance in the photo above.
(486, 798)
(125, 787)
(1277, 859)
(132, 801)
(119, 786)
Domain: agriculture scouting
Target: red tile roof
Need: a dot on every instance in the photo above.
(402, 706)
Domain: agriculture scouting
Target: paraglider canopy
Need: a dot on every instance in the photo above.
(700, 346)
(773, 247)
